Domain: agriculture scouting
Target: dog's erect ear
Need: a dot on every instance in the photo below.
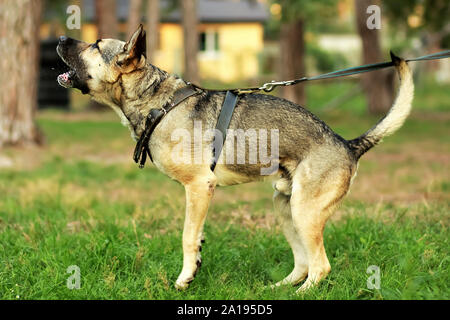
(135, 48)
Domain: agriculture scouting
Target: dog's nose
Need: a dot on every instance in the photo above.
(63, 39)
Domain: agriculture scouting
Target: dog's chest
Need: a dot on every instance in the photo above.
(125, 121)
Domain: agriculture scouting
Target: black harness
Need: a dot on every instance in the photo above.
(155, 116)
(223, 122)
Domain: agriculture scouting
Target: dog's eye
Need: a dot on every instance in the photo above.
(89, 76)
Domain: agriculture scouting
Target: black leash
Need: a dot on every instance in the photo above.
(155, 116)
(232, 95)
(269, 86)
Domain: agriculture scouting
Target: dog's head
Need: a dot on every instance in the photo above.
(95, 65)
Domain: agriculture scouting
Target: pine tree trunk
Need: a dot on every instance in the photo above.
(134, 17)
(152, 29)
(106, 14)
(107, 25)
(293, 59)
(19, 65)
(190, 21)
(377, 85)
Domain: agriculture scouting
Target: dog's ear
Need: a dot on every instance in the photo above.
(135, 48)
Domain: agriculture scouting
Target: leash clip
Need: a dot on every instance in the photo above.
(269, 86)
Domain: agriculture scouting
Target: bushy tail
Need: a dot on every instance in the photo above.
(396, 115)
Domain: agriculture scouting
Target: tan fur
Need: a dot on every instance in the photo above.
(396, 115)
(402, 105)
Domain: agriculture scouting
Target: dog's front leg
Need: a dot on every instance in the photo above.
(198, 196)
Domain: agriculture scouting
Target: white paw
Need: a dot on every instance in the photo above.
(306, 286)
(183, 284)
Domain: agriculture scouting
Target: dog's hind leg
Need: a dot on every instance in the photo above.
(316, 192)
(282, 207)
(199, 192)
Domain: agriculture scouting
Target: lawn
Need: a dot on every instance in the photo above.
(80, 200)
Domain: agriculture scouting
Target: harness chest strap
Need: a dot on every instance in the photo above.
(223, 123)
(154, 118)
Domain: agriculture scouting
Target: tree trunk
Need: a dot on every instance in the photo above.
(377, 85)
(190, 21)
(134, 17)
(107, 25)
(19, 49)
(433, 44)
(152, 29)
(293, 59)
(106, 14)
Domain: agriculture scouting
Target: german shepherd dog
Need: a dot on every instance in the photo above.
(315, 166)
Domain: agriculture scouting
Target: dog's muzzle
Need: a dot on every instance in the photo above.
(65, 79)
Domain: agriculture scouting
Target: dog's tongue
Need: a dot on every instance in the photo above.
(64, 76)
(64, 80)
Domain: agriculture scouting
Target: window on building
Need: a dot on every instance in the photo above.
(209, 41)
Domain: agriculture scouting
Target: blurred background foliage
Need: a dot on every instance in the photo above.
(249, 42)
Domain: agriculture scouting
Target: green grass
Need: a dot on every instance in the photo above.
(118, 261)
(81, 201)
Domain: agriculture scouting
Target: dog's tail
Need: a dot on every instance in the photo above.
(396, 115)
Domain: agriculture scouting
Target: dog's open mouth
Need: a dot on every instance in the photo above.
(66, 79)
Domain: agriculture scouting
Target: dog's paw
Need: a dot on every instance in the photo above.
(183, 284)
(282, 283)
(306, 286)
(187, 275)
(270, 287)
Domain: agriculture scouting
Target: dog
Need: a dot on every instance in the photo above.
(315, 166)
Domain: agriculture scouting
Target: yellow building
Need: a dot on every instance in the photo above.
(230, 36)
(228, 51)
